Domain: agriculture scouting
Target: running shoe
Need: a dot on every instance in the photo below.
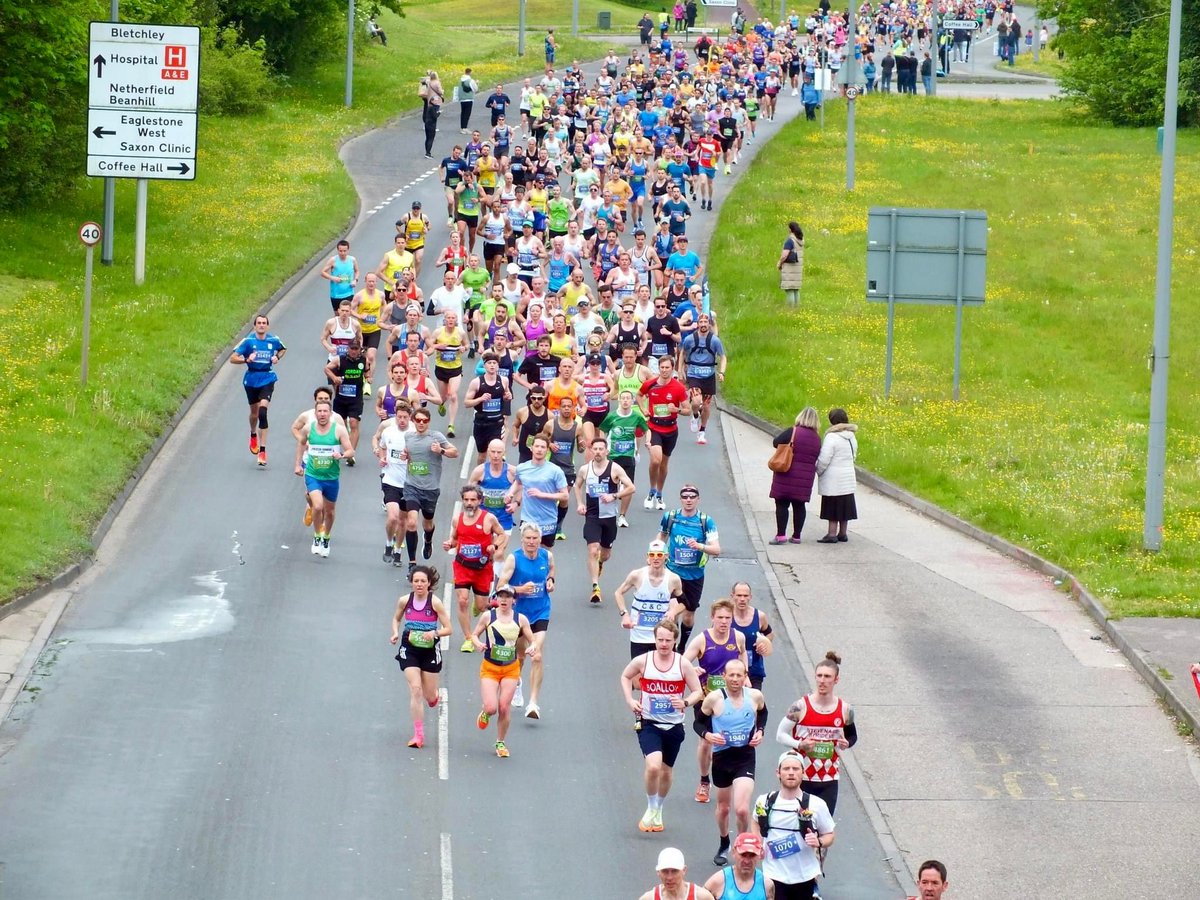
(560, 537)
(316, 547)
(701, 439)
(728, 170)
(794, 94)
(501, 750)
(649, 501)
(702, 792)
(656, 824)
(418, 741)
(367, 388)
(471, 353)
(518, 699)
(658, 502)
(646, 823)
(307, 516)
(622, 522)
(595, 593)
(721, 857)
(262, 458)
(398, 561)
(483, 720)
(387, 553)
(254, 443)
(441, 409)
(450, 431)
(325, 548)
(533, 712)
(467, 647)
(427, 550)
(695, 423)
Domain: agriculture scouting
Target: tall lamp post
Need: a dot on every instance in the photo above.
(350, 54)
(1156, 457)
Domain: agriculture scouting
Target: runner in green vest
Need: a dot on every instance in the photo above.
(623, 426)
(317, 455)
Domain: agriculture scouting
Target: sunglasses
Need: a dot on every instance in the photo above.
(685, 495)
(656, 555)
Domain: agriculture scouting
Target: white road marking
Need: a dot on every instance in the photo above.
(446, 603)
(467, 459)
(444, 758)
(447, 869)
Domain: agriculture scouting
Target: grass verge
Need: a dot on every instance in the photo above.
(1048, 445)
(550, 13)
(270, 192)
(1049, 65)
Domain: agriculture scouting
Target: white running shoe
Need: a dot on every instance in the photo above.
(658, 504)
(622, 522)
(795, 92)
(325, 548)
(701, 439)
(316, 547)
(648, 503)
(533, 712)
(695, 423)
(518, 699)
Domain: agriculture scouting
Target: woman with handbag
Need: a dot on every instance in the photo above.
(794, 464)
(791, 263)
(835, 476)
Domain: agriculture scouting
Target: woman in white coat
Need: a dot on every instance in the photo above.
(835, 476)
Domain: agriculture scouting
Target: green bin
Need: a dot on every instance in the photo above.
(604, 20)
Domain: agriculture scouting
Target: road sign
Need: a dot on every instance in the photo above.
(143, 87)
(89, 233)
(851, 92)
(959, 24)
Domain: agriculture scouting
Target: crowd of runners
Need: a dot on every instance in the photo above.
(571, 338)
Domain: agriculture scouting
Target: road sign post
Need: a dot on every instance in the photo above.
(90, 234)
(110, 184)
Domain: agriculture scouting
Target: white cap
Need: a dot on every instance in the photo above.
(670, 858)
(512, 269)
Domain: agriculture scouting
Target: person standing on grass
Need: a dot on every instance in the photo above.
(467, 86)
(835, 476)
(434, 96)
(551, 46)
(791, 259)
(793, 488)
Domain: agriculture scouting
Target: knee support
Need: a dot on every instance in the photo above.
(262, 416)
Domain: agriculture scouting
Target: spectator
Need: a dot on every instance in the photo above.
(434, 95)
(811, 98)
(927, 74)
(869, 73)
(374, 31)
(835, 476)
(886, 68)
(551, 46)
(792, 489)
(690, 11)
(679, 12)
(464, 93)
(645, 29)
(791, 260)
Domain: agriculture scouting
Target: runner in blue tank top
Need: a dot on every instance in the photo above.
(495, 477)
(710, 650)
(529, 573)
(742, 880)
(755, 628)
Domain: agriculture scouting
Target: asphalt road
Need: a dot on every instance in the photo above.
(219, 714)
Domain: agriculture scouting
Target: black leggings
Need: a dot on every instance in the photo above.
(826, 790)
(805, 890)
(781, 516)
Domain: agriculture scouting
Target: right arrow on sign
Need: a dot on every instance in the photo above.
(99, 61)
(182, 168)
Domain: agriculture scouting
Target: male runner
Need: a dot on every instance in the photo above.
(663, 399)
(496, 635)
(476, 539)
(671, 873)
(742, 880)
(367, 307)
(340, 330)
(669, 685)
(342, 274)
(792, 838)
(623, 426)
(259, 353)
(414, 226)
(325, 442)
(300, 428)
(566, 436)
(600, 485)
(495, 477)
(388, 444)
(710, 650)
(731, 722)
(691, 539)
(530, 421)
(422, 486)
(755, 628)
(656, 595)
(541, 486)
(346, 374)
(529, 572)
(487, 395)
(702, 359)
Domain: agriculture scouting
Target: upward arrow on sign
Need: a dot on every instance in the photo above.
(99, 61)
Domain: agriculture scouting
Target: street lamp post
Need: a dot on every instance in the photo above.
(350, 54)
(1156, 456)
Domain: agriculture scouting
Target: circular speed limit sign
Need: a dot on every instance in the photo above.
(851, 92)
(89, 233)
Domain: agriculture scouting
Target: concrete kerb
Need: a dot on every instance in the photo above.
(1094, 607)
(893, 856)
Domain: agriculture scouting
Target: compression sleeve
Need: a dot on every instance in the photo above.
(703, 722)
(851, 731)
(760, 720)
(783, 734)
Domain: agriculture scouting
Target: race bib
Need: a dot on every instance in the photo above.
(261, 356)
(418, 468)
(661, 706)
(649, 617)
(701, 371)
(346, 389)
(686, 556)
(598, 488)
(822, 750)
(715, 683)
(470, 551)
(493, 501)
(503, 655)
(662, 410)
(658, 349)
(622, 448)
(736, 738)
(423, 639)
(785, 846)
(370, 320)
(492, 405)
(448, 355)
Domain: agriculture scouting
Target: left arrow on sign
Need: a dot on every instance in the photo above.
(99, 61)
(99, 131)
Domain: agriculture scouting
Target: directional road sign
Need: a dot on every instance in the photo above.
(143, 86)
(959, 24)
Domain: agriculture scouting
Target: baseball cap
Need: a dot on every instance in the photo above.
(503, 592)
(527, 223)
(748, 843)
(656, 547)
(413, 307)
(594, 359)
(583, 301)
(416, 204)
(786, 755)
(670, 858)
(512, 269)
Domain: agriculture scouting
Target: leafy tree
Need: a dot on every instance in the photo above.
(1116, 57)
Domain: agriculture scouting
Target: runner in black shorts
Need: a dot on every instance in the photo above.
(599, 489)
(347, 375)
(419, 622)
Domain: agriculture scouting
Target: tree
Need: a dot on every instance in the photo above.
(1116, 57)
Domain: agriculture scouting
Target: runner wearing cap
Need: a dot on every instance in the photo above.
(794, 825)
(529, 572)
(742, 879)
(496, 635)
(414, 226)
(663, 399)
(599, 487)
(669, 686)
(672, 886)
(419, 622)
(656, 595)
(691, 539)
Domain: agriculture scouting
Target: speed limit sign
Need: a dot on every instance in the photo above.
(851, 92)
(89, 233)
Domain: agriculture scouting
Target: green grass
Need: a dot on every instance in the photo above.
(1049, 65)
(543, 13)
(270, 192)
(1048, 444)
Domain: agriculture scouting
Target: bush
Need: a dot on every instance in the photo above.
(235, 78)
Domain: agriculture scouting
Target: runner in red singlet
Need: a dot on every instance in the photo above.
(477, 539)
(672, 872)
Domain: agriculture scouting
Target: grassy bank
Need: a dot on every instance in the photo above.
(1048, 444)
(1048, 65)
(556, 13)
(270, 191)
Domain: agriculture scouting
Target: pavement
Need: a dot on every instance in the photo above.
(216, 712)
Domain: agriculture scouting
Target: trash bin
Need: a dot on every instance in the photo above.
(604, 20)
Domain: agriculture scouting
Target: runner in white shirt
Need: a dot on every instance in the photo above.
(450, 297)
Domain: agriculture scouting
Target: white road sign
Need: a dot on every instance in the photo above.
(89, 233)
(959, 24)
(143, 86)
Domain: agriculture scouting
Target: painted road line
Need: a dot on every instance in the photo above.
(447, 869)
(444, 755)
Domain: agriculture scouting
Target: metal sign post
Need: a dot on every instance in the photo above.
(89, 233)
(521, 28)
(349, 99)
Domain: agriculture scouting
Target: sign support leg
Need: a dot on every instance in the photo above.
(139, 247)
(110, 184)
(87, 316)
(887, 366)
(958, 304)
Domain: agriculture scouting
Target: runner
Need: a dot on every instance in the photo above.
(449, 345)
(323, 444)
(496, 635)
(596, 387)
(530, 421)
(340, 331)
(422, 484)
(656, 595)
(664, 399)
(795, 826)
(259, 352)
(731, 722)
(541, 486)
(388, 445)
(600, 485)
(342, 274)
(402, 318)
(367, 307)
(691, 539)
(565, 438)
(743, 880)
(450, 173)
(671, 871)
(466, 211)
(476, 539)
(708, 154)
(487, 395)
(538, 369)
(817, 727)
(414, 226)
(564, 387)
(394, 263)
(710, 650)
(623, 427)
(474, 280)
(419, 622)
(668, 685)
(702, 359)
(529, 572)
(755, 628)
(300, 429)
(346, 374)
(495, 477)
